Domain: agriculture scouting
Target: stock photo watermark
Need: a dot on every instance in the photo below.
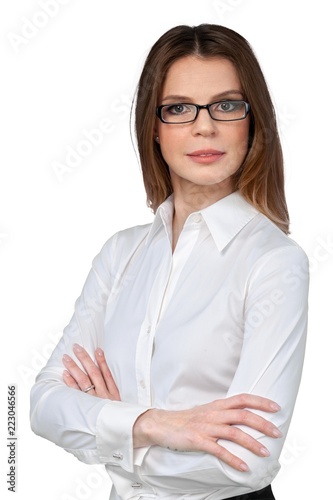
(291, 452)
(3, 237)
(87, 312)
(93, 482)
(223, 7)
(38, 359)
(322, 252)
(31, 27)
(92, 138)
(11, 437)
(284, 119)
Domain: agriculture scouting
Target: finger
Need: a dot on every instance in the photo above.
(250, 401)
(69, 380)
(107, 375)
(250, 419)
(88, 364)
(226, 456)
(236, 435)
(93, 371)
(81, 378)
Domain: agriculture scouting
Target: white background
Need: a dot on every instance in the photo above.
(63, 74)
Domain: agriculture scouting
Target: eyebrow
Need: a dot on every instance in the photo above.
(182, 98)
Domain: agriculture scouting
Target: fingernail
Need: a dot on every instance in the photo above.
(77, 348)
(264, 452)
(277, 433)
(244, 468)
(99, 352)
(66, 358)
(66, 374)
(275, 406)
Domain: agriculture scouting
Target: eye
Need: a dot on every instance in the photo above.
(228, 106)
(177, 109)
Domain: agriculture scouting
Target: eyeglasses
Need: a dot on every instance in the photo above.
(222, 111)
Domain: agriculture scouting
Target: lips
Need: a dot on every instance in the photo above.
(205, 155)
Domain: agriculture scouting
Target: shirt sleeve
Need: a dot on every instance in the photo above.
(93, 429)
(271, 361)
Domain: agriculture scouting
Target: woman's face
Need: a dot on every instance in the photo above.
(205, 152)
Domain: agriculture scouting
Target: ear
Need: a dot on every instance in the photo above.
(156, 137)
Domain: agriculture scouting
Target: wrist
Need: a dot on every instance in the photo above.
(142, 430)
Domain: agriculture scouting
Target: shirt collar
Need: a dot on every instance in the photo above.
(224, 219)
(227, 217)
(163, 216)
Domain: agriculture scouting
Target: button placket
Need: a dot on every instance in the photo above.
(147, 334)
(159, 296)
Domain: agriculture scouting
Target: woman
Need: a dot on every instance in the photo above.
(184, 355)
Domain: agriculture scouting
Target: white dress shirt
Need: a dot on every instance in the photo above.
(226, 313)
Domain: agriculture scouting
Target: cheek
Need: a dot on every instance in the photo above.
(240, 141)
(171, 143)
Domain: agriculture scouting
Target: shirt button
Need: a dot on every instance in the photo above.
(197, 218)
(119, 456)
(136, 485)
(142, 384)
(148, 329)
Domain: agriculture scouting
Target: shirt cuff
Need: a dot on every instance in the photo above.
(114, 434)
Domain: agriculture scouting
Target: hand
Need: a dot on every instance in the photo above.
(200, 428)
(99, 376)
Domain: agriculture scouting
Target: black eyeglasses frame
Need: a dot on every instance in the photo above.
(202, 106)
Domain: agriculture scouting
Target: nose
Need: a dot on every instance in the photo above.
(204, 124)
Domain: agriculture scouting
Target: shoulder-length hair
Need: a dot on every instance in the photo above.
(260, 179)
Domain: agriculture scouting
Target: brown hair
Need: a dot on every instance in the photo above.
(261, 178)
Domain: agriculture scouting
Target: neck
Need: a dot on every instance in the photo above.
(193, 200)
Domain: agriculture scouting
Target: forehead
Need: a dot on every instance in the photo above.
(200, 78)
